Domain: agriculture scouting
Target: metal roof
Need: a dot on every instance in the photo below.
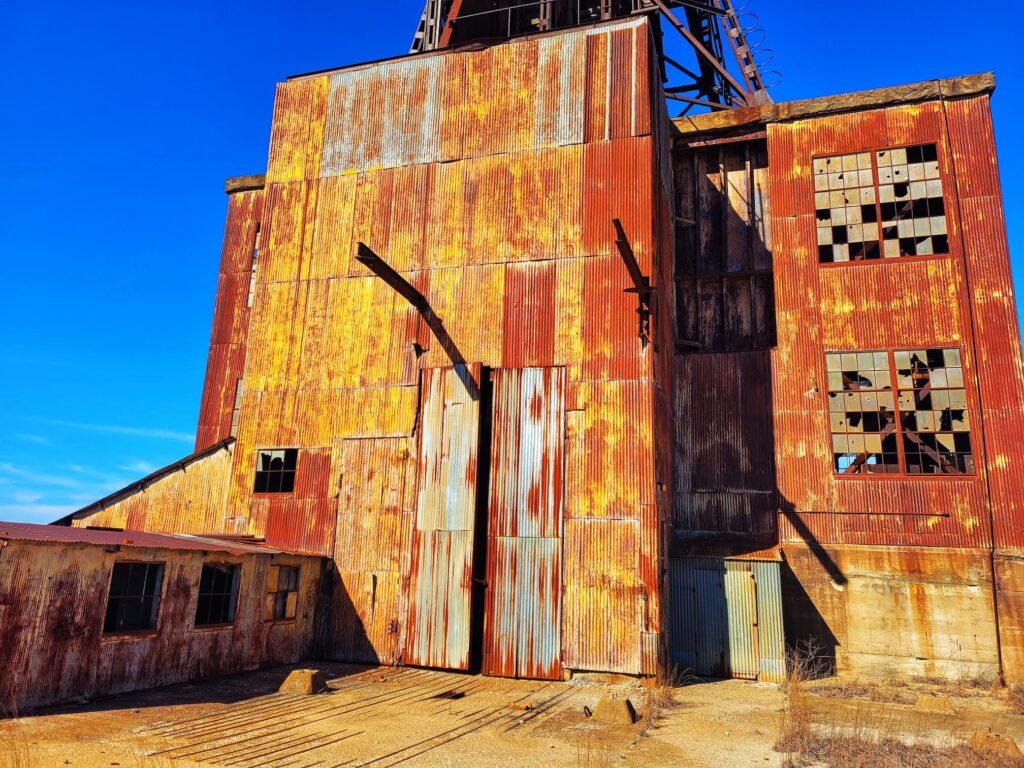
(66, 535)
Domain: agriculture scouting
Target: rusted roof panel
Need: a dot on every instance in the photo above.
(69, 535)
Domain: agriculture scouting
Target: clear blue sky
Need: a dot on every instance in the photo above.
(120, 122)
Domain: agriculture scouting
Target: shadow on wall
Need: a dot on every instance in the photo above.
(726, 447)
(340, 631)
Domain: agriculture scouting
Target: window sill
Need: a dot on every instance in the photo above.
(121, 637)
(277, 622)
(890, 260)
(886, 476)
(212, 627)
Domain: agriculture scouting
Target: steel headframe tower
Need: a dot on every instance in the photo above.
(704, 26)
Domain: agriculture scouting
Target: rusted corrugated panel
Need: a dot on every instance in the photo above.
(612, 347)
(529, 317)
(188, 497)
(441, 580)
(439, 599)
(723, 403)
(302, 525)
(538, 609)
(610, 463)
(771, 637)
(226, 360)
(522, 629)
(527, 462)
(602, 611)
(997, 332)
(53, 643)
(372, 550)
(297, 132)
(561, 79)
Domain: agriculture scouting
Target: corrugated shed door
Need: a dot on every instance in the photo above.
(522, 623)
(440, 587)
(741, 599)
(712, 623)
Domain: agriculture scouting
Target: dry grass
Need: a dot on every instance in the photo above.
(850, 745)
(1015, 697)
(859, 752)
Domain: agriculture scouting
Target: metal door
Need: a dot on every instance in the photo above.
(712, 623)
(741, 601)
(440, 593)
(522, 621)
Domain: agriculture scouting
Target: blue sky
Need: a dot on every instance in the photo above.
(121, 121)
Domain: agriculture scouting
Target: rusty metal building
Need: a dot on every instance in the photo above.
(555, 384)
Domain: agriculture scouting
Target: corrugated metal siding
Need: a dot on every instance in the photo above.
(726, 618)
(997, 332)
(191, 499)
(887, 305)
(55, 597)
(442, 561)
(226, 361)
(522, 623)
(771, 634)
(398, 155)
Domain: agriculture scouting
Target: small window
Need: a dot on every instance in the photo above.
(255, 260)
(237, 409)
(899, 413)
(282, 593)
(883, 204)
(134, 600)
(218, 594)
(275, 471)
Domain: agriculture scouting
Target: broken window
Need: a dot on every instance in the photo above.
(252, 273)
(133, 603)
(933, 409)
(882, 204)
(899, 413)
(237, 408)
(862, 413)
(218, 594)
(275, 471)
(282, 593)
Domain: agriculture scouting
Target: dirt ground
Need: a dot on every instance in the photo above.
(407, 717)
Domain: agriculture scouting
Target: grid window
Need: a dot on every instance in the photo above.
(282, 593)
(933, 408)
(275, 471)
(252, 273)
(883, 204)
(133, 603)
(862, 413)
(899, 413)
(218, 595)
(237, 408)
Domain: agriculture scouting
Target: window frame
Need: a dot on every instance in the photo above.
(257, 471)
(268, 593)
(947, 191)
(158, 596)
(236, 588)
(976, 445)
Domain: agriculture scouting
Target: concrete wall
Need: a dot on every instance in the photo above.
(894, 611)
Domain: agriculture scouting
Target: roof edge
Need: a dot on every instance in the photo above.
(929, 90)
(245, 183)
(139, 485)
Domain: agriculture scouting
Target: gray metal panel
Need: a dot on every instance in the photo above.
(712, 621)
(769, 622)
(741, 605)
(682, 615)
